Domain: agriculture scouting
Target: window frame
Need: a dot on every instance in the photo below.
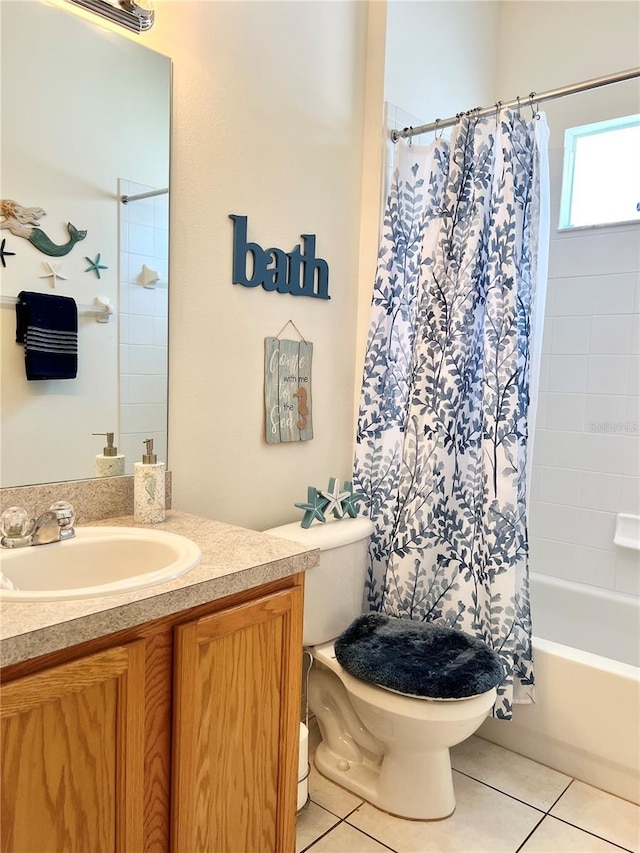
(571, 137)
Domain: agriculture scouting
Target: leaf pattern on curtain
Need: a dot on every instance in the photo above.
(442, 427)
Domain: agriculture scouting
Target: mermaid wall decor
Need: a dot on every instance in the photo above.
(23, 222)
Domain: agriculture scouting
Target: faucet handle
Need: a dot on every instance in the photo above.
(15, 522)
(64, 512)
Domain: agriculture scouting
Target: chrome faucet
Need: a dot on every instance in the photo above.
(54, 525)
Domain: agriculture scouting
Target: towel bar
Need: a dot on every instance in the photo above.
(103, 309)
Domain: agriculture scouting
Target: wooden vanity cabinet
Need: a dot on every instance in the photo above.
(72, 755)
(236, 730)
(179, 735)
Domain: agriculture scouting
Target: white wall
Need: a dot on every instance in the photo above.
(271, 105)
(73, 96)
(406, 86)
(587, 441)
(441, 56)
(440, 59)
(267, 123)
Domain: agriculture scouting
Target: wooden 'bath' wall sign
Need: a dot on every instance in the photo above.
(298, 272)
(287, 390)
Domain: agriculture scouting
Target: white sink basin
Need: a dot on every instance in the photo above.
(98, 561)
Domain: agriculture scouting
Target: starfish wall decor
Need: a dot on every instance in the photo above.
(4, 253)
(148, 277)
(54, 272)
(95, 266)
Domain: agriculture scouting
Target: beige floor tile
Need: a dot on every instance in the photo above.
(601, 813)
(331, 797)
(313, 821)
(514, 774)
(554, 836)
(347, 839)
(485, 821)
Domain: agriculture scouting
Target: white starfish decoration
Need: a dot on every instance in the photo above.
(148, 277)
(54, 272)
(335, 498)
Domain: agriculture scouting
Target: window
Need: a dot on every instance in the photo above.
(601, 180)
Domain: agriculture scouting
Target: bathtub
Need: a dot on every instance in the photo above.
(586, 718)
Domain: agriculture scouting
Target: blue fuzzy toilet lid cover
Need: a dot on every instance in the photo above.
(420, 659)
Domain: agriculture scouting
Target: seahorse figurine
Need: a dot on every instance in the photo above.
(22, 222)
(303, 411)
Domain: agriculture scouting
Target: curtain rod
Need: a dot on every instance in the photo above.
(533, 98)
(125, 199)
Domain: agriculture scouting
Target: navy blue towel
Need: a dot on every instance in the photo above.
(48, 327)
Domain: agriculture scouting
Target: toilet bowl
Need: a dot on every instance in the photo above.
(390, 748)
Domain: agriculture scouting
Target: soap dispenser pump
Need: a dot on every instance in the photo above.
(148, 487)
(109, 463)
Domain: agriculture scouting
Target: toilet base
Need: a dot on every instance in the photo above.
(390, 749)
(417, 786)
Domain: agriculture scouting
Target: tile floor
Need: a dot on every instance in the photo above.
(505, 804)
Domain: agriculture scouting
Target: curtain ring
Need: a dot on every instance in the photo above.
(437, 128)
(475, 114)
(519, 104)
(410, 135)
(534, 112)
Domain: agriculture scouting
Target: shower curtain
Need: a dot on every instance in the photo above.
(441, 453)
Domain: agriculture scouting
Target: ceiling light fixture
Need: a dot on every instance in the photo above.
(127, 13)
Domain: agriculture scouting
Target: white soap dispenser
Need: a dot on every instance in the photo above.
(148, 487)
(109, 463)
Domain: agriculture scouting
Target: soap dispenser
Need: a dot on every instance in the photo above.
(109, 463)
(148, 487)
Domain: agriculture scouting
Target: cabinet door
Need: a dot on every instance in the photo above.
(72, 756)
(236, 723)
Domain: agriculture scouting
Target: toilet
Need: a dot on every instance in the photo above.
(388, 747)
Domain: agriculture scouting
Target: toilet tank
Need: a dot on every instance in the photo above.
(334, 591)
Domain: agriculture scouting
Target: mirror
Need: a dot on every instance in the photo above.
(85, 120)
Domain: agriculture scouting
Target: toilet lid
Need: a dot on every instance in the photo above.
(417, 658)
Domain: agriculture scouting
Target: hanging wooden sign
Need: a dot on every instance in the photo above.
(287, 390)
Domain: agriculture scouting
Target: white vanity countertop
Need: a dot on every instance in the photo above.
(233, 559)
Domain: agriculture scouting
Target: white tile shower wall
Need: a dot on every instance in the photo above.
(398, 119)
(144, 240)
(587, 443)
